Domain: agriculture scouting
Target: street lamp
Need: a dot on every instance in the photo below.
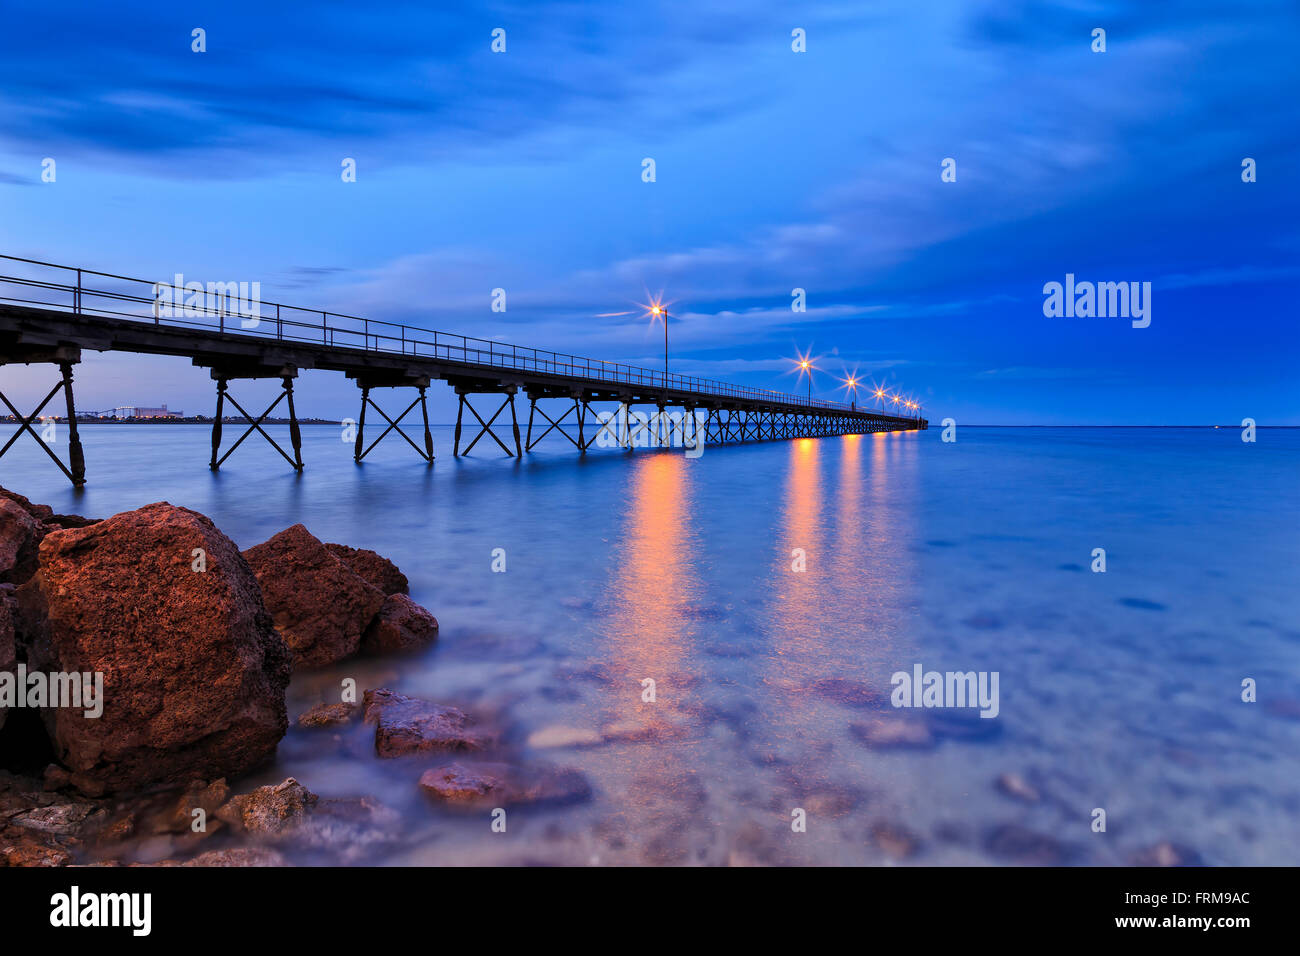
(658, 310)
(851, 383)
(806, 366)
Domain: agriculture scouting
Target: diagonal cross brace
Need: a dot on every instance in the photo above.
(77, 473)
(530, 442)
(426, 453)
(295, 435)
(486, 426)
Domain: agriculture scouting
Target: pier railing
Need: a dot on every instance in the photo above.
(228, 310)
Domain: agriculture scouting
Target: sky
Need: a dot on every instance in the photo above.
(775, 170)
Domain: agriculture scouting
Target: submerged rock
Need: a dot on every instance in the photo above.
(890, 732)
(328, 715)
(320, 606)
(560, 736)
(896, 841)
(1015, 786)
(851, 693)
(239, 856)
(408, 725)
(401, 625)
(506, 785)
(27, 849)
(193, 673)
(179, 817)
(1024, 846)
(1166, 854)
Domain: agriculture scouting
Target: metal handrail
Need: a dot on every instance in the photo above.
(377, 335)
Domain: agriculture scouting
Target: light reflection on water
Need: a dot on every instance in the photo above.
(1117, 689)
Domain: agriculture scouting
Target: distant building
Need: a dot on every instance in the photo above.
(144, 411)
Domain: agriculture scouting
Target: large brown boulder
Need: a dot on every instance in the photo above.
(373, 567)
(400, 625)
(194, 674)
(318, 603)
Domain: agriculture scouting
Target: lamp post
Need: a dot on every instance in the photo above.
(805, 367)
(851, 383)
(657, 311)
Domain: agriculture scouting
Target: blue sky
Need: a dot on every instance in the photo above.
(775, 170)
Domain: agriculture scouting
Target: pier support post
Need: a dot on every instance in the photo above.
(370, 382)
(460, 407)
(485, 427)
(514, 420)
(216, 423)
(361, 424)
(64, 357)
(76, 458)
(295, 433)
(286, 374)
(428, 435)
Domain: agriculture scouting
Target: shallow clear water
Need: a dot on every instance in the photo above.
(1119, 690)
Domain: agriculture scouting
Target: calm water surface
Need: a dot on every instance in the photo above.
(1118, 690)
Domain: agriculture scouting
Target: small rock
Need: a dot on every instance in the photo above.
(559, 736)
(831, 801)
(1015, 786)
(198, 796)
(895, 841)
(851, 693)
(893, 733)
(962, 723)
(1166, 854)
(34, 854)
(328, 715)
(1022, 845)
(270, 809)
(65, 819)
(506, 785)
(635, 730)
(239, 856)
(407, 725)
(120, 829)
(457, 783)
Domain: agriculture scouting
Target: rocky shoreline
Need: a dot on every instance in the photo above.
(191, 644)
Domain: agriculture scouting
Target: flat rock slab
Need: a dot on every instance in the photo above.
(328, 715)
(477, 784)
(408, 725)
